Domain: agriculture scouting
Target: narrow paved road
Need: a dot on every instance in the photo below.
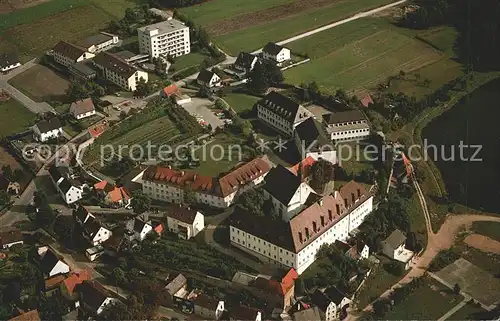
(337, 23)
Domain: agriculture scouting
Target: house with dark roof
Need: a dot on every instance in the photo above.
(99, 42)
(66, 53)
(207, 307)
(394, 246)
(317, 220)
(9, 61)
(81, 215)
(95, 232)
(82, 108)
(47, 129)
(281, 112)
(94, 297)
(208, 79)
(169, 185)
(356, 251)
(309, 314)
(276, 53)
(11, 238)
(244, 313)
(311, 141)
(346, 126)
(287, 191)
(69, 189)
(50, 263)
(185, 221)
(331, 302)
(138, 228)
(118, 71)
(245, 62)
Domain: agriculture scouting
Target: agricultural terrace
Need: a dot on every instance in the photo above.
(359, 55)
(249, 25)
(469, 182)
(40, 83)
(162, 124)
(32, 31)
(17, 117)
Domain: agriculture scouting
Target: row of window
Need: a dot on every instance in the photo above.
(351, 132)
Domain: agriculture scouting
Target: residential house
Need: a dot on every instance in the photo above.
(47, 129)
(280, 290)
(308, 222)
(11, 238)
(309, 314)
(243, 313)
(184, 221)
(50, 264)
(281, 112)
(68, 288)
(9, 61)
(115, 243)
(276, 53)
(165, 38)
(394, 247)
(207, 307)
(27, 316)
(82, 108)
(366, 101)
(347, 126)
(170, 90)
(66, 53)
(94, 232)
(356, 251)
(139, 227)
(311, 141)
(81, 215)
(245, 62)
(69, 189)
(176, 286)
(94, 297)
(303, 168)
(99, 42)
(169, 185)
(208, 79)
(287, 192)
(93, 253)
(118, 71)
(52, 284)
(332, 303)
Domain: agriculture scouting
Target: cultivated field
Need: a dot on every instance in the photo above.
(237, 28)
(15, 118)
(479, 284)
(34, 32)
(429, 302)
(467, 181)
(40, 83)
(359, 55)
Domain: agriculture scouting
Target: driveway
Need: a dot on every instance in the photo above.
(199, 107)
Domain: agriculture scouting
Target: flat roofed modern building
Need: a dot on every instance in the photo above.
(347, 126)
(118, 71)
(170, 37)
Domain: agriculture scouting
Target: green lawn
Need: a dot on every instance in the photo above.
(429, 302)
(36, 36)
(15, 118)
(377, 283)
(468, 312)
(215, 160)
(352, 157)
(211, 12)
(186, 61)
(255, 36)
(489, 229)
(241, 102)
(443, 38)
(359, 55)
(469, 181)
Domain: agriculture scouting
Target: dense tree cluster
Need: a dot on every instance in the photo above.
(478, 23)
(140, 202)
(254, 202)
(263, 76)
(81, 89)
(173, 3)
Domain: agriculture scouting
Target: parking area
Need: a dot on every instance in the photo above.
(200, 108)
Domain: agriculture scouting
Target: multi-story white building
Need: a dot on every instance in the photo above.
(184, 221)
(118, 71)
(347, 126)
(323, 221)
(172, 186)
(170, 37)
(281, 113)
(66, 53)
(276, 53)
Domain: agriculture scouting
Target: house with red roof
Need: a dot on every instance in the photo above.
(27, 316)
(112, 195)
(68, 286)
(171, 90)
(280, 289)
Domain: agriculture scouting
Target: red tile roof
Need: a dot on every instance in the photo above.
(279, 287)
(171, 90)
(101, 185)
(118, 194)
(366, 101)
(97, 130)
(28, 316)
(306, 164)
(159, 228)
(74, 279)
(243, 175)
